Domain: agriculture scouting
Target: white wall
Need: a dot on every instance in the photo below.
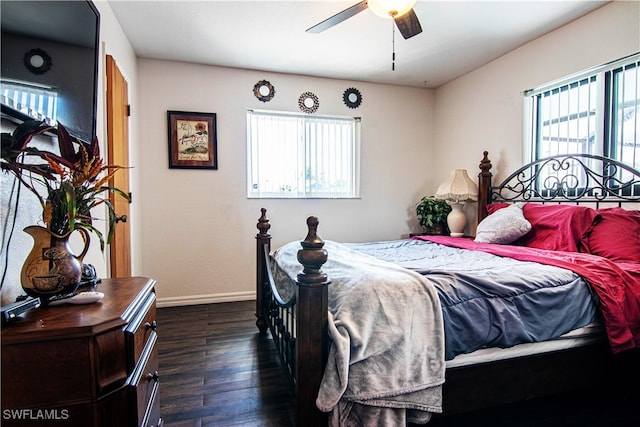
(199, 227)
(113, 42)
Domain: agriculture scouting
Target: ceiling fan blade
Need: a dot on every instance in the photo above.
(408, 24)
(338, 17)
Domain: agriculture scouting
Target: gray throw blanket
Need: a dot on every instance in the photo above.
(386, 362)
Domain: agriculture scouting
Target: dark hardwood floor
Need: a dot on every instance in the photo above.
(216, 371)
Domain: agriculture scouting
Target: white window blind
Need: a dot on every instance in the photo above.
(300, 156)
(38, 102)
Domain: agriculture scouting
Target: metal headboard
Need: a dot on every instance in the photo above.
(572, 178)
(567, 178)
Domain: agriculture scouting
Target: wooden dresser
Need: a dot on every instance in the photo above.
(85, 365)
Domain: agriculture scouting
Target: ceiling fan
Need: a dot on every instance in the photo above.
(401, 11)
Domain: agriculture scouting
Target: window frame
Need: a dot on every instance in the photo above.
(605, 113)
(37, 101)
(603, 137)
(301, 148)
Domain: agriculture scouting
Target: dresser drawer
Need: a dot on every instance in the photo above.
(143, 383)
(152, 417)
(139, 330)
(84, 365)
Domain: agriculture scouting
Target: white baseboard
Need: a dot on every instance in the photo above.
(205, 299)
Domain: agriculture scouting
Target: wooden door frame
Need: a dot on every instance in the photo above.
(118, 151)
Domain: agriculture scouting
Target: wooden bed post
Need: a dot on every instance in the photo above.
(262, 238)
(484, 186)
(312, 340)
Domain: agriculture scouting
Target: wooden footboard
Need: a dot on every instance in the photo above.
(297, 324)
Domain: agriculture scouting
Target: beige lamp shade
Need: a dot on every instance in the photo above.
(458, 187)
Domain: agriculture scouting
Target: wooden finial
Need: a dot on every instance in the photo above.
(484, 186)
(312, 240)
(263, 223)
(485, 164)
(312, 256)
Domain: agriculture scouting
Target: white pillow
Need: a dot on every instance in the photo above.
(504, 226)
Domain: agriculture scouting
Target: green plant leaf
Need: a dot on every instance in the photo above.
(432, 212)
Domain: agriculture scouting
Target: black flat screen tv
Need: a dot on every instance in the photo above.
(49, 63)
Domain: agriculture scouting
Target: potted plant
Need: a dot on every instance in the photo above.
(68, 185)
(432, 214)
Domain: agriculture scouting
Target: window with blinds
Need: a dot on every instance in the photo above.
(300, 156)
(593, 112)
(38, 102)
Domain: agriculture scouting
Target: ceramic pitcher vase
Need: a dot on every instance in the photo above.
(51, 268)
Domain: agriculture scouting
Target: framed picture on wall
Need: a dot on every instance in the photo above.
(192, 140)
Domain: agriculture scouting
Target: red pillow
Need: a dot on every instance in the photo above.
(556, 227)
(492, 207)
(616, 236)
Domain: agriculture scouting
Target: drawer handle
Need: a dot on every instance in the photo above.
(153, 376)
(153, 325)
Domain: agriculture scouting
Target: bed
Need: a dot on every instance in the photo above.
(335, 343)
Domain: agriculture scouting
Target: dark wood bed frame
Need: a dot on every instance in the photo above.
(298, 324)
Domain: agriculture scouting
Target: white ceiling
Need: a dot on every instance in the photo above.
(457, 36)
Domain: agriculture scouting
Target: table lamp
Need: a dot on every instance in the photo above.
(456, 190)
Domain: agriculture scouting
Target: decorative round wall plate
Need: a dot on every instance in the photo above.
(352, 97)
(37, 61)
(264, 91)
(308, 102)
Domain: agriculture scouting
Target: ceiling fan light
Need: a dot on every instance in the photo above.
(390, 8)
